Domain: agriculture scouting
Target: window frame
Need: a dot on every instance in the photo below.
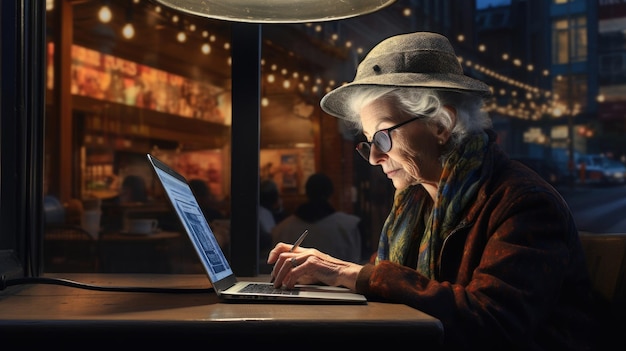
(22, 23)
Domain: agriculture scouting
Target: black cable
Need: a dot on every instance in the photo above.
(65, 282)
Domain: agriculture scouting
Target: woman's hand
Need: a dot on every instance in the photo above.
(310, 266)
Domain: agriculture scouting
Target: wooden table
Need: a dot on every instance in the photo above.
(42, 315)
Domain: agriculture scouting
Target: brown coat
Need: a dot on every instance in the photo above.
(511, 275)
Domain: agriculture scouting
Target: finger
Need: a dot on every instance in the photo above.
(278, 269)
(311, 269)
(285, 278)
(294, 262)
(272, 257)
(296, 270)
(285, 271)
(291, 269)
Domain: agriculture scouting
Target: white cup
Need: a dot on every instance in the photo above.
(142, 226)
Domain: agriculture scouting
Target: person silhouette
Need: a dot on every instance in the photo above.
(133, 190)
(334, 232)
(269, 206)
(205, 199)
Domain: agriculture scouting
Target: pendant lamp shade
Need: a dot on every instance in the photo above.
(277, 11)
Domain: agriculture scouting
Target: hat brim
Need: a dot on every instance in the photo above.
(334, 102)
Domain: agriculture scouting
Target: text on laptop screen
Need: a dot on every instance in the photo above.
(192, 218)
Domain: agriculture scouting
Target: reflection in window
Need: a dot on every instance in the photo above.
(578, 93)
(110, 100)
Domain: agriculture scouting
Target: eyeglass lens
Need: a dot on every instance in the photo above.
(381, 139)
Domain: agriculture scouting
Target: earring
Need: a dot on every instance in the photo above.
(440, 141)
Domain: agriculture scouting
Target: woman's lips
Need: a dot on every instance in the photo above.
(391, 173)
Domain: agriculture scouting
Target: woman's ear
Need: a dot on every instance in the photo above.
(443, 134)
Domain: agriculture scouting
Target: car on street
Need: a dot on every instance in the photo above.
(599, 169)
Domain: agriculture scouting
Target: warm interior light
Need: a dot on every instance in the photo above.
(277, 11)
(104, 15)
(206, 48)
(128, 31)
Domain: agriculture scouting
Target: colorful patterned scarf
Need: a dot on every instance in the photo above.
(411, 222)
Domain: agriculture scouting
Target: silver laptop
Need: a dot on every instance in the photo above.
(226, 285)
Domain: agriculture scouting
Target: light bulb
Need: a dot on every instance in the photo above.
(128, 31)
(206, 48)
(105, 14)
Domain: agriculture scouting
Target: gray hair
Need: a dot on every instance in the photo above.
(470, 115)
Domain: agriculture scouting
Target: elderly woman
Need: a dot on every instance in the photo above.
(477, 240)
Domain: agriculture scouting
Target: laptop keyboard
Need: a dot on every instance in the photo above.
(267, 289)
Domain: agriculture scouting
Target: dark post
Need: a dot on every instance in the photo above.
(246, 105)
(22, 72)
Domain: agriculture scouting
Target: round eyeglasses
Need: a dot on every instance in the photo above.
(382, 139)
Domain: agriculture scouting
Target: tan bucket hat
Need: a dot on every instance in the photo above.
(414, 60)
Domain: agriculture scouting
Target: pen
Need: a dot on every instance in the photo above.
(296, 244)
(299, 241)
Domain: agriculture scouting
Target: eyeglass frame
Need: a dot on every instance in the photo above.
(361, 146)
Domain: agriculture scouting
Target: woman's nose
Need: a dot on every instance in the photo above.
(376, 156)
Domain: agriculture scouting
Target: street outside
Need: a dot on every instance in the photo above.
(597, 209)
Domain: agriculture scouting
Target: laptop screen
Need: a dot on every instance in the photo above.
(193, 220)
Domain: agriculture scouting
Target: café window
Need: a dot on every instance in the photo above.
(112, 97)
(126, 79)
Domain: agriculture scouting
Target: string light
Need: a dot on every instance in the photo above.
(304, 84)
(128, 31)
(206, 48)
(534, 93)
(105, 15)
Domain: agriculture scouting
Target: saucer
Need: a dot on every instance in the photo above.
(127, 232)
